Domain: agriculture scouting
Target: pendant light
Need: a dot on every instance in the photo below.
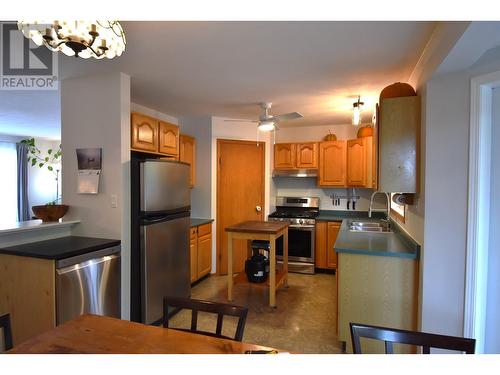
(357, 108)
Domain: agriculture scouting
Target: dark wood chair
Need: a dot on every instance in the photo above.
(7, 330)
(221, 309)
(425, 340)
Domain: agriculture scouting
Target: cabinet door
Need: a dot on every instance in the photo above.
(284, 156)
(204, 255)
(332, 163)
(187, 154)
(307, 155)
(193, 254)
(144, 131)
(168, 138)
(331, 255)
(321, 243)
(360, 162)
(356, 162)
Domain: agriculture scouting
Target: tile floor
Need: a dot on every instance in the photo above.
(303, 322)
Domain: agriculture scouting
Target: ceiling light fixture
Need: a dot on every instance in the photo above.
(357, 107)
(266, 126)
(83, 39)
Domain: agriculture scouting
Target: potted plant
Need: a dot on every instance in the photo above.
(51, 211)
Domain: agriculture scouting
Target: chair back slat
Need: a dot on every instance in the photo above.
(423, 339)
(194, 319)
(388, 347)
(221, 309)
(220, 318)
(7, 331)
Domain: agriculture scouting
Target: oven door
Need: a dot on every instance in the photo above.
(300, 244)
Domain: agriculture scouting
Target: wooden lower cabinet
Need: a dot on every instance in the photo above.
(326, 235)
(201, 251)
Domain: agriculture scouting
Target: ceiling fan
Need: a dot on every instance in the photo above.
(267, 122)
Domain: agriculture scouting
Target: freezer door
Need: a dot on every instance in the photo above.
(164, 186)
(90, 287)
(165, 265)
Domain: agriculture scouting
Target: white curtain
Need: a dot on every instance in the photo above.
(8, 185)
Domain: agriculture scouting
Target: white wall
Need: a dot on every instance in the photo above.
(201, 194)
(492, 338)
(95, 113)
(446, 179)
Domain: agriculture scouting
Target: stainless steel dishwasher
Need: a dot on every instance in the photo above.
(89, 284)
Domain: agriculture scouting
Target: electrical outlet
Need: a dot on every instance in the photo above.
(114, 201)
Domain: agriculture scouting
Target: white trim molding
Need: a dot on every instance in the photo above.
(478, 212)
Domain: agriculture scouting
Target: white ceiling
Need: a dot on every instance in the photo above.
(225, 68)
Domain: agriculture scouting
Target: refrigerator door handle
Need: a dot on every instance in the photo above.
(155, 220)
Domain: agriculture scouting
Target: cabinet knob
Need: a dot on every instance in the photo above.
(258, 208)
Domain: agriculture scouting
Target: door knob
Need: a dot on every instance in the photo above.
(258, 208)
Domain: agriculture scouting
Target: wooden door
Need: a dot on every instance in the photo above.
(284, 155)
(204, 255)
(321, 243)
(144, 133)
(331, 255)
(168, 138)
(187, 154)
(356, 162)
(240, 193)
(332, 163)
(307, 155)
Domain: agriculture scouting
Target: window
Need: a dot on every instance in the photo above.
(8, 187)
(397, 211)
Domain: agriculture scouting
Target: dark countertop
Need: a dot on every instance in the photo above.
(198, 221)
(60, 248)
(395, 244)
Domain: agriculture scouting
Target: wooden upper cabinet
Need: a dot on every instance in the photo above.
(187, 154)
(332, 163)
(144, 131)
(359, 162)
(307, 155)
(168, 138)
(284, 155)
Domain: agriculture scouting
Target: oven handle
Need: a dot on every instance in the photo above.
(302, 227)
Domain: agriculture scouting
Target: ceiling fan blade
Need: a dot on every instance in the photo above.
(242, 120)
(287, 116)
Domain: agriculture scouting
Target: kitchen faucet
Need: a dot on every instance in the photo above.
(387, 210)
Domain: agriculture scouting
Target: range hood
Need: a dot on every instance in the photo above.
(295, 173)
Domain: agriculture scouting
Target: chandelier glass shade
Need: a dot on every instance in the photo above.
(357, 108)
(97, 39)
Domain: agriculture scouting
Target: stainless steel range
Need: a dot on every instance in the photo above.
(300, 212)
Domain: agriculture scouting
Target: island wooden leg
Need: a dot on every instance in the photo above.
(285, 256)
(272, 271)
(229, 266)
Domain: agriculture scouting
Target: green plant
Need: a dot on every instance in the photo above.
(36, 158)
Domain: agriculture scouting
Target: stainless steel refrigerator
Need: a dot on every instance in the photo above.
(160, 236)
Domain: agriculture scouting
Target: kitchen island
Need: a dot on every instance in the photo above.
(377, 278)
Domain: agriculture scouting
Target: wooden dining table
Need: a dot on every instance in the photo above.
(92, 334)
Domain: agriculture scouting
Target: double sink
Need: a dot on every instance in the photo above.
(372, 226)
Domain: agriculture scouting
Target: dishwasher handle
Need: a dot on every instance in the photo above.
(88, 263)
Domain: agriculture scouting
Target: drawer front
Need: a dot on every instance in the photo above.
(204, 229)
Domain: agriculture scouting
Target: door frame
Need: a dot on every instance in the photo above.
(221, 141)
(478, 210)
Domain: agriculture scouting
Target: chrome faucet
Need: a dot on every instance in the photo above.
(387, 210)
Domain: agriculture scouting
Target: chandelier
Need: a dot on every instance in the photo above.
(357, 107)
(83, 39)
